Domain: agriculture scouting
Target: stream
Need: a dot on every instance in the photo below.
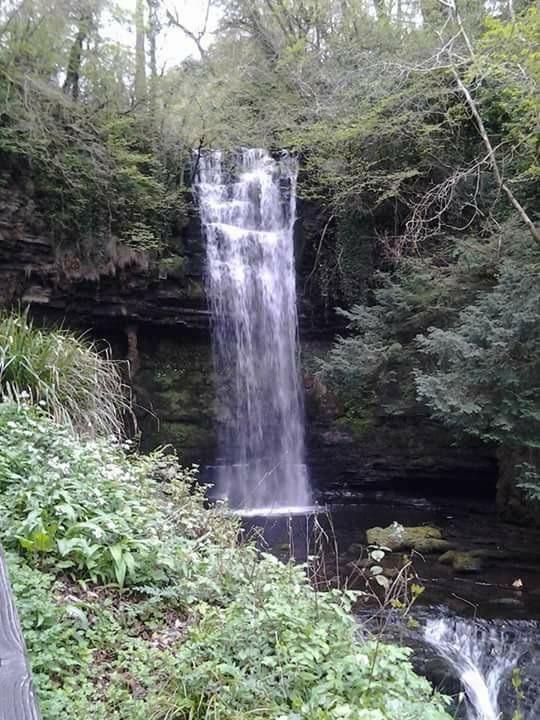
(475, 635)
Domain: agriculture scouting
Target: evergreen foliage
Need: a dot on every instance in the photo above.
(485, 370)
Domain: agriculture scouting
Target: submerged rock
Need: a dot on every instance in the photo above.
(507, 602)
(424, 538)
(462, 561)
(356, 549)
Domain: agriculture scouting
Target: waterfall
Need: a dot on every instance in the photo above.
(483, 656)
(247, 205)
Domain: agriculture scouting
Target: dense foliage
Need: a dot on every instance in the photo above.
(70, 122)
(415, 123)
(417, 120)
(464, 326)
(485, 370)
(136, 600)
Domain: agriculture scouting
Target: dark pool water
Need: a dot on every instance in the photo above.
(485, 623)
(507, 586)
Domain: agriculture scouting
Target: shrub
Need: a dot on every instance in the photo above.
(483, 374)
(78, 385)
(285, 651)
(90, 509)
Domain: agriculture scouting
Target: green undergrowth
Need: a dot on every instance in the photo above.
(138, 602)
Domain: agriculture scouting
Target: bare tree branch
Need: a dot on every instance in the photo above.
(197, 38)
(473, 107)
(493, 160)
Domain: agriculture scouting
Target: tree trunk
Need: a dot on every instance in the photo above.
(140, 58)
(493, 159)
(380, 9)
(153, 31)
(71, 83)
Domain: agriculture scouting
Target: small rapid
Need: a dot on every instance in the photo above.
(495, 662)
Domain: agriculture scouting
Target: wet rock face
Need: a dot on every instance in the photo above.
(23, 244)
(123, 288)
(175, 396)
(378, 448)
(102, 284)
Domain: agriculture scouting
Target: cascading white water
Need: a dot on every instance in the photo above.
(247, 207)
(480, 655)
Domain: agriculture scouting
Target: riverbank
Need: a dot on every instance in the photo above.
(137, 601)
(503, 582)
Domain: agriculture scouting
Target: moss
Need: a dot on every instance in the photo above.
(177, 384)
(462, 562)
(173, 266)
(194, 290)
(174, 403)
(183, 433)
(193, 441)
(360, 421)
(424, 539)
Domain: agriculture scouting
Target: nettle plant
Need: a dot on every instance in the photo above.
(91, 509)
(282, 650)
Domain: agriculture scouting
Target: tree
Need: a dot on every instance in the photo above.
(68, 123)
(483, 372)
(196, 36)
(527, 21)
(140, 57)
(153, 32)
(85, 21)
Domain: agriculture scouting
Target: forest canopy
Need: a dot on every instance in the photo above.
(423, 111)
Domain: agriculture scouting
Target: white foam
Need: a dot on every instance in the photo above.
(280, 511)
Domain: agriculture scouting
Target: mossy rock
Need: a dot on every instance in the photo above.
(194, 443)
(185, 434)
(358, 426)
(174, 403)
(462, 562)
(425, 539)
(173, 266)
(431, 545)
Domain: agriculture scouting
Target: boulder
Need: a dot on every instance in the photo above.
(462, 562)
(424, 538)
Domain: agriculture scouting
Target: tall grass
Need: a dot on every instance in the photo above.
(78, 385)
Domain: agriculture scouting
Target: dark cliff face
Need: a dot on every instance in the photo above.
(115, 286)
(177, 405)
